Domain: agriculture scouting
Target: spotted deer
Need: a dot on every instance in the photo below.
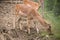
(32, 9)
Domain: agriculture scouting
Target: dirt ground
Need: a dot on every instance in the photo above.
(8, 32)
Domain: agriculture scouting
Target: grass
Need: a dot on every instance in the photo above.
(55, 22)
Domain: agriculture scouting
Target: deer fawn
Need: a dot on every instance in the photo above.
(29, 7)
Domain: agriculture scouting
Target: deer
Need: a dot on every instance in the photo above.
(31, 4)
(26, 9)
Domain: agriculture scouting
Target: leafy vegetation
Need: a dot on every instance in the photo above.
(55, 22)
(52, 15)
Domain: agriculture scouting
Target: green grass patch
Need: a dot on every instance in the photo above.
(55, 22)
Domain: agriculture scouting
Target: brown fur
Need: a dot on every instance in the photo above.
(32, 4)
(30, 10)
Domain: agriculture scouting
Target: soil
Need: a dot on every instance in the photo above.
(8, 32)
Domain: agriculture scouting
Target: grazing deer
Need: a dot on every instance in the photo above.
(26, 9)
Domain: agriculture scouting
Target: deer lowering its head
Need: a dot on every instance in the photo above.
(31, 8)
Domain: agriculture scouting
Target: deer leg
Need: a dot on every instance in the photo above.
(28, 22)
(28, 28)
(20, 25)
(37, 30)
